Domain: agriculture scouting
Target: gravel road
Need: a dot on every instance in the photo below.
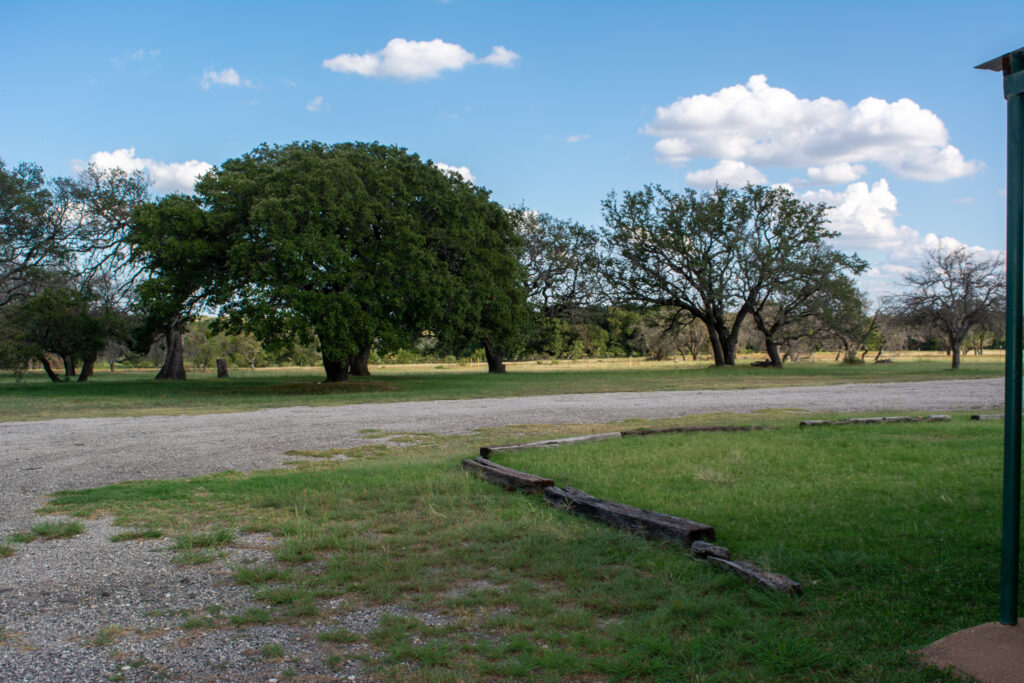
(55, 596)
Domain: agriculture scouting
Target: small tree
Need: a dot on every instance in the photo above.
(844, 319)
(63, 321)
(954, 290)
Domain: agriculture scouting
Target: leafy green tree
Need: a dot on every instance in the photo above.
(721, 256)
(355, 245)
(787, 265)
(66, 235)
(846, 320)
(35, 230)
(61, 320)
(182, 251)
(680, 251)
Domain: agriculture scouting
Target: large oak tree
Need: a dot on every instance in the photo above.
(355, 244)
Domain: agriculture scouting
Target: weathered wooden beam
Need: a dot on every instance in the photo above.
(703, 549)
(486, 451)
(644, 522)
(875, 420)
(751, 572)
(990, 416)
(506, 476)
(708, 428)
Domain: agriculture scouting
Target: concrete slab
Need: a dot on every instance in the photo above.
(990, 653)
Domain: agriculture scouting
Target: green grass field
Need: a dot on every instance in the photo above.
(136, 393)
(893, 530)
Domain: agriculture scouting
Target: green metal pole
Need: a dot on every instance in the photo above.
(1014, 313)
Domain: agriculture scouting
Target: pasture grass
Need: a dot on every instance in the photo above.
(47, 531)
(893, 530)
(136, 393)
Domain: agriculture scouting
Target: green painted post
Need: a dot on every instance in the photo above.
(1012, 67)
(1012, 423)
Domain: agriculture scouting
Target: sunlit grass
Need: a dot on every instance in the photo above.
(893, 530)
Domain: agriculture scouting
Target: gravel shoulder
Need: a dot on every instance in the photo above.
(55, 596)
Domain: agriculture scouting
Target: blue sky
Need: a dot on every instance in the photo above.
(872, 107)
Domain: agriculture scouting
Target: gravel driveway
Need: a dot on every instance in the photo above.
(55, 596)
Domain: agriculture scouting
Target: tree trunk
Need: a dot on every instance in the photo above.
(174, 362)
(87, 366)
(495, 360)
(773, 352)
(111, 363)
(337, 371)
(359, 363)
(716, 344)
(956, 355)
(69, 366)
(729, 349)
(54, 377)
(222, 368)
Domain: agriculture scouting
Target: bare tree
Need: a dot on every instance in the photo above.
(954, 290)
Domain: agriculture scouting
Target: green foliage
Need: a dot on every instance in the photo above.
(33, 238)
(58, 319)
(65, 267)
(722, 255)
(561, 262)
(351, 244)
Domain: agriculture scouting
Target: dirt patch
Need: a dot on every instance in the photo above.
(990, 653)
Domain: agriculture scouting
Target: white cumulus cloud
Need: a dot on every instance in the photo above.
(834, 174)
(577, 138)
(458, 170)
(501, 56)
(726, 172)
(416, 60)
(166, 177)
(760, 124)
(228, 77)
(867, 218)
(315, 103)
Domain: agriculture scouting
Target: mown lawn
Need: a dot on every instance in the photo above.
(893, 530)
(136, 393)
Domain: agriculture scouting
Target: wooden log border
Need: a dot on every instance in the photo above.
(694, 535)
(875, 420)
(646, 523)
(507, 477)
